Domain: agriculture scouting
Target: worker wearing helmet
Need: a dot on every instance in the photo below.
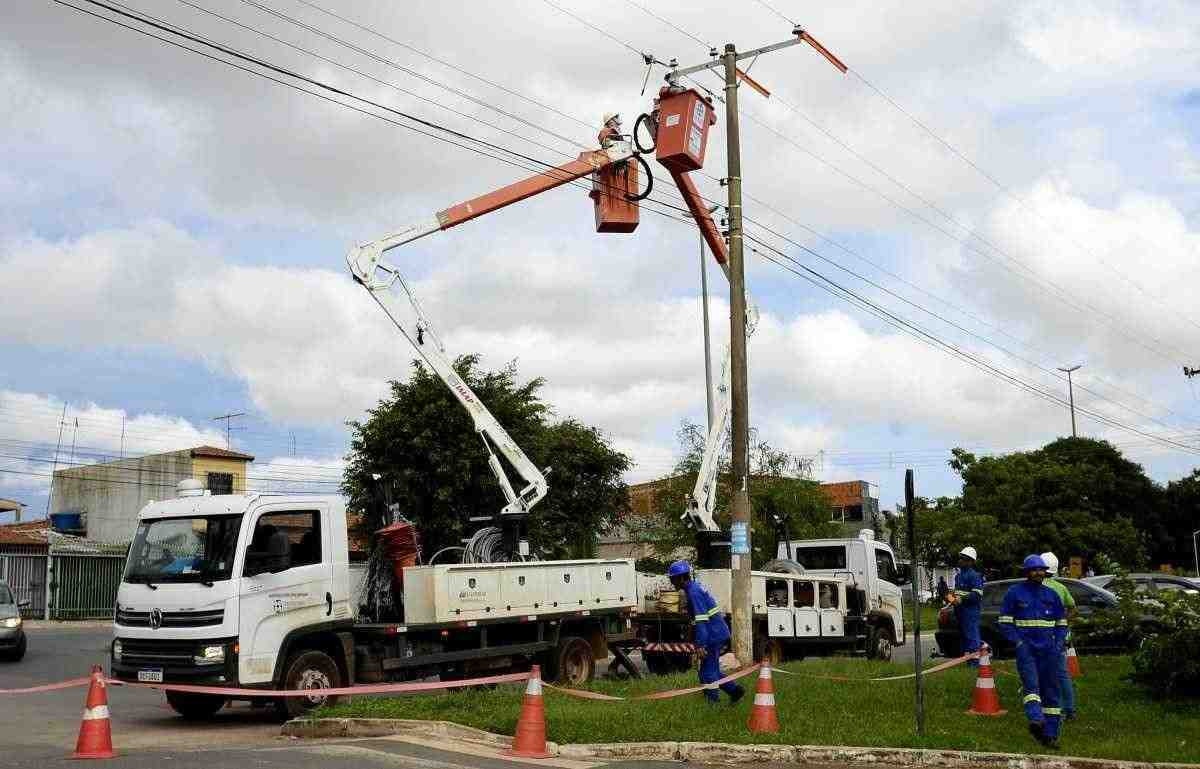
(1066, 688)
(712, 632)
(611, 131)
(967, 599)
(1034, 620)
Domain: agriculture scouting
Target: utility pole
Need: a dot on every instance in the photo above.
(61, 422)
(1071, 393)
(1196, 551)
(740, 532)
(228, 428)
(708, 392)
(743, 638)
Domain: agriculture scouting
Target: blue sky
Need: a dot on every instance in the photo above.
(172, 232)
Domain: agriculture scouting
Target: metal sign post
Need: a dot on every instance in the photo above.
(911, 515)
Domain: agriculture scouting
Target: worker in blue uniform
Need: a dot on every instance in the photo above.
(1034, 620)
(968, 599)
(712, 632)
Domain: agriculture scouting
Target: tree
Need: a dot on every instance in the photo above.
(434, 468)
(1181, 517)
(782, 498)
(1074, 496)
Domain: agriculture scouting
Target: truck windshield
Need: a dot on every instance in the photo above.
(184, 549)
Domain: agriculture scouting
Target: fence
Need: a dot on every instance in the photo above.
(84, 586)
(25, 573)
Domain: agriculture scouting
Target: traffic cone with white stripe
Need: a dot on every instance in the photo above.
(530, 738)
(95, 731)
(1073, 663)
(763, 718)
(985, 701)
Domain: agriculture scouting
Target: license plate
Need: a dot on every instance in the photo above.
(150, 676)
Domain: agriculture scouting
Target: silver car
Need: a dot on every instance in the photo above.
(12, 632)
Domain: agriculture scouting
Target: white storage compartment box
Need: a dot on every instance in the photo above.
(459, 591)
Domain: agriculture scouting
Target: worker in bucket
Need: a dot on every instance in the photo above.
(1066, 687)
(967, 598)
(712, 632)
(611, 131)
(1034, 621)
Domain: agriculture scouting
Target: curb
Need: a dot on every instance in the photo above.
(714, 752)
(316, 728)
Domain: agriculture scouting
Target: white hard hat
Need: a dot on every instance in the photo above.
(1051, 562)
(969, 552)
(610, 116)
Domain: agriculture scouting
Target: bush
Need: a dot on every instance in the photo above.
(1168, 661)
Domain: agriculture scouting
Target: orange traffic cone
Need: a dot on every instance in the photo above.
(985, 701)
(95, 731)
(763, 718)
(530, 739)
(1073, 663)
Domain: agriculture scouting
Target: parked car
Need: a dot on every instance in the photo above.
(1089, 598)
(12, 634)
(1149, 582)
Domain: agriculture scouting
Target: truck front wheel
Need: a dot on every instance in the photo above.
(311, 669)
(195, 707)
(879, 643)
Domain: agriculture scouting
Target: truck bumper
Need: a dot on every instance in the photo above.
(174, 660)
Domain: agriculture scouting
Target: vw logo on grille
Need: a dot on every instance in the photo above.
(156, 618)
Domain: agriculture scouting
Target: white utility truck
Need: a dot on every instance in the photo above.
(847, 600)
(255, 591)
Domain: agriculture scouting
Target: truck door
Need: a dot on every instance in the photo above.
(804, 609)
(829, 605)
(286, 584)
(779, 612)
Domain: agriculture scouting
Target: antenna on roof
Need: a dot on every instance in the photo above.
(228, 427)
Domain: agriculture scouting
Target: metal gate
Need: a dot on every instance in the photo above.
(84, 586)
(26, 575)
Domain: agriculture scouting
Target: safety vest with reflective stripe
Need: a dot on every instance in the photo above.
(711, 628)
(1033, 614)
(968, 587)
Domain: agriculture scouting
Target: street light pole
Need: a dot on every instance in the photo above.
(1196, 551)
(1071, 393)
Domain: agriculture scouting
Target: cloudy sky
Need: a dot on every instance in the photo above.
(995, 189)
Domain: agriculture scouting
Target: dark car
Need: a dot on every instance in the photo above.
(1088, 599)
(12, 634)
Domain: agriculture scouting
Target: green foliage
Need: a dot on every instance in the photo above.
(433, 464)
(1168, 661)
(1074, 496)
(782, 497)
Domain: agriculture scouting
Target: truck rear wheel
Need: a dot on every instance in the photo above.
(310, 669)
(195, 707)
(769, 650)
(572, 662)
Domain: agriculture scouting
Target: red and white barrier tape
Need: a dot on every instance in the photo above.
(71, 684)
(586, 695)
(337, 691)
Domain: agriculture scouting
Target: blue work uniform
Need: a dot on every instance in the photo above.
(712, 633)
(1034, 620)
(968, 588)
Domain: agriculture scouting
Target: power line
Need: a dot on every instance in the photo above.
(1050, 227)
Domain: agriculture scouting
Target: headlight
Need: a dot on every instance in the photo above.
(210, 655)
(12, 622)
(116, 650)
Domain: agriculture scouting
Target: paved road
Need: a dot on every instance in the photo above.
(40, 729)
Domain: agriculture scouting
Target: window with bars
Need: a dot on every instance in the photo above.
(220, 483)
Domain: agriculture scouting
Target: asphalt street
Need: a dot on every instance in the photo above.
(40, 729)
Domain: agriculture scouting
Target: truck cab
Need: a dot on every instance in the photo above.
(221, 589)
(870, 568)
